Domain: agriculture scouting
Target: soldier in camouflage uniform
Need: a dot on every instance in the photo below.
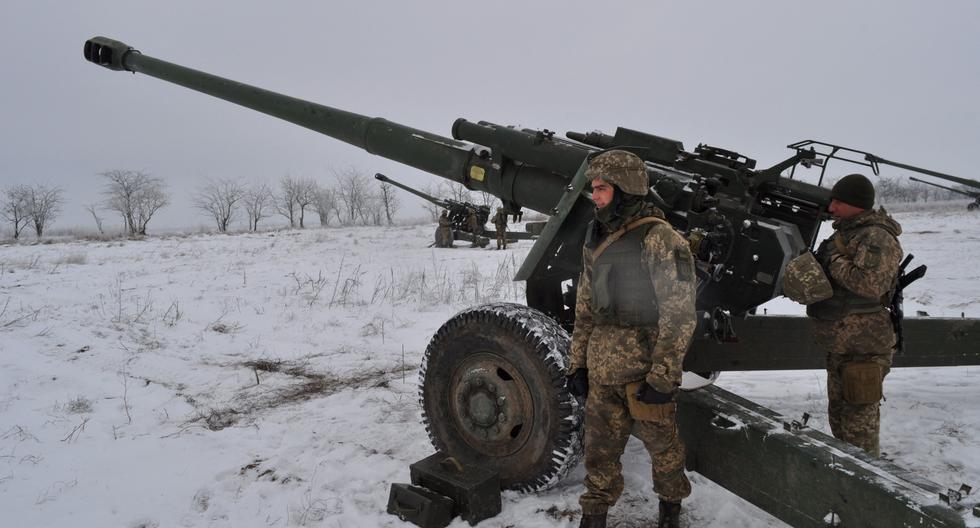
(475, 226)
(500, 223)
(634, 320)
(861, 259)
(444, 233)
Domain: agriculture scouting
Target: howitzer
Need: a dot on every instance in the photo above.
(458, 212)
(972, 206)
(492, 377)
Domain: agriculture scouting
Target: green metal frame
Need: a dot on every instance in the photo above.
(804, 477)
(779, 342)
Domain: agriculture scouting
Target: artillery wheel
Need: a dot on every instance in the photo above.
(492, 391)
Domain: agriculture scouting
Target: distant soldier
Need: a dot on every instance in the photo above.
(476, 227)
(851, 320)
(444, 233)
(500, 223)
(634, 319)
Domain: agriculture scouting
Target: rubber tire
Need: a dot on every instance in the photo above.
(537, 347)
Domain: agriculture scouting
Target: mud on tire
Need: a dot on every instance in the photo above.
(492, 392)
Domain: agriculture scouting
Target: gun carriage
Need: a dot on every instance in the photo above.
(492, 381)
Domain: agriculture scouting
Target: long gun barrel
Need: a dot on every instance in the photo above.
(744, 224)
(962, 181)
(416, 192)
(961, 191)
(432, 153)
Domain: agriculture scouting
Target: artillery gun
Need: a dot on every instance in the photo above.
(972, 206)
(459, 214)
(492, 378)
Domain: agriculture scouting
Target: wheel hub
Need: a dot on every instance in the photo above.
(491, 404)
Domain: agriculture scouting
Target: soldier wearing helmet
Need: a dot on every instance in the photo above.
(851, 318)
(634, 320)
(500, 225)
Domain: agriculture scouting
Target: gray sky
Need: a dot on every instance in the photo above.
(897, 78)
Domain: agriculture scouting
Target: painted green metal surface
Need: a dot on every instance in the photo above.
(776, 342)
(801, 476)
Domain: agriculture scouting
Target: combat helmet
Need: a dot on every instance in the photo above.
(805, 281)
(623, 169)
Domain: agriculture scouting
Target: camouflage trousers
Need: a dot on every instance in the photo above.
(856, 424)
(855, 339)
(501, 240)
(611, 415)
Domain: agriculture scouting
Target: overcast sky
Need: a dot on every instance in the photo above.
(897, 78)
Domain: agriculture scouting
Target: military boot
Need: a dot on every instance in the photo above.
(597, 520)
(670, 515)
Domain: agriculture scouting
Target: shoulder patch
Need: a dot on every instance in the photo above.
(682, 257)
(872, 256)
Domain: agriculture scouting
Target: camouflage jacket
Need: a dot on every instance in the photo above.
(499, 221)
(617, 354)
(863, 255)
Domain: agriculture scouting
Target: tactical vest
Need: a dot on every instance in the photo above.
(844, 302)
(622, 292)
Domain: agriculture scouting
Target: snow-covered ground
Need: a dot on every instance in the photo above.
(270, 379)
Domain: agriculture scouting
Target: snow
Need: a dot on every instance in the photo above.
(270, 379)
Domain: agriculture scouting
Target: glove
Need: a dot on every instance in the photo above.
(578, 383)
(648, 394)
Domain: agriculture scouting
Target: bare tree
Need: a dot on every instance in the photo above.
(286, 201)
(136, 196)
(326, 204)
(488, 200)
(455, 191)
(389, 200)
(94, 211)
(45, 205)
(305, 197)
(352, 192)
(433, 209)
(219, 199)
(372, 212)
(257, 202)
(16, 207)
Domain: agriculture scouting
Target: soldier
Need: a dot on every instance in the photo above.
(634, 320)
(851, 320)
(444, 233)
(475, 226)
(500, 223)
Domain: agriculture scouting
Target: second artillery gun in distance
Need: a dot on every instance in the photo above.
(972, 206)
(492, 385)
(459, 214)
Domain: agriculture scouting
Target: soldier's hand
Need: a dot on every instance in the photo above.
(578, 383)
(648, 394)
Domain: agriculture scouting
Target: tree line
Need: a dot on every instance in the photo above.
(352, 199)
(137, 196)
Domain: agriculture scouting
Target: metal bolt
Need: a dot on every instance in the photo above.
(491, 387)
(479, 382)
(501, 401)
(755, 258)
(501, 418)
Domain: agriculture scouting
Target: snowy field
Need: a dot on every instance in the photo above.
(269, 380)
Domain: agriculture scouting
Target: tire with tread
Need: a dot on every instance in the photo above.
(492, 392)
